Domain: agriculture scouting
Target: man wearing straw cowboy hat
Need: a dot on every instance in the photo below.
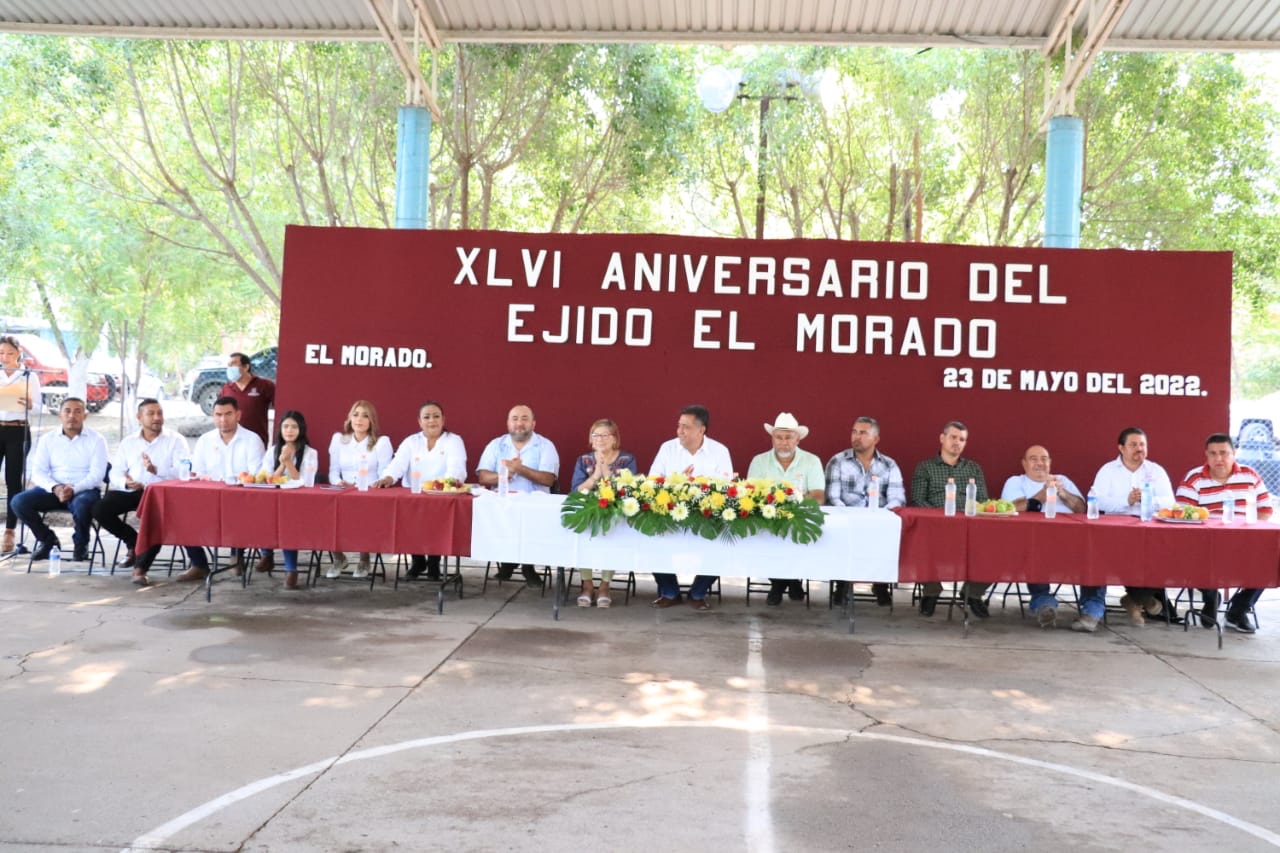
(786, 461)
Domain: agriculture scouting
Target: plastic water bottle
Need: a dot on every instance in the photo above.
(362, 474)
(1228, 509)
(1144, 503)
(184, 470)
(1091, 505)
(949, 506)
(1250, 507)
(971, 498)
(55, 562)
(1050, 508)
(415, 478)
(873, 492)
(504, 478)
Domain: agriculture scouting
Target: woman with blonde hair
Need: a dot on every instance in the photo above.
(358, 451)
(606, 459)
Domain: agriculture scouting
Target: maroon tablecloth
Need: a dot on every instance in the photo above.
(1112, 550)
(380, 520)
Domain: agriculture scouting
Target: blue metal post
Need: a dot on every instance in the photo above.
(1064, 178)
(413, 166)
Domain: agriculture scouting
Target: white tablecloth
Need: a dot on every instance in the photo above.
(856, 544)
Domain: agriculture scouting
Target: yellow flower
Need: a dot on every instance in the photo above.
(677, 480)
(746, 504)
(705, 504)
(717, 500)
(647, 489)
(606, 492)
(625, 477)
(779, 495)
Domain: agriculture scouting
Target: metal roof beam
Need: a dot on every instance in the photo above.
(405, 54)
(1103, 15)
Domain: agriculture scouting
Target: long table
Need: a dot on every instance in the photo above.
(1112, 550)
(215, 515)
(856, 544)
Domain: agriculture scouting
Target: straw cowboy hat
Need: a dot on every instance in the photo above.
(786, 420)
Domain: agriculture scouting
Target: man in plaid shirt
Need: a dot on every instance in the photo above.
(848, 476)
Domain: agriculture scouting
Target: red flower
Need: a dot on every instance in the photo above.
(659, 479)
(644, 507)
(604, 504)
(707, 513)
(751, 487)
(706, 487)
(769, 498)
(789, 491)
(670, 505)
(733, 492)
(743, 514)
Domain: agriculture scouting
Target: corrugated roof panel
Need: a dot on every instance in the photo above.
(1163, 24)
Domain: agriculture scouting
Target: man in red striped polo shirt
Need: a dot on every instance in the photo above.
(1220, 478)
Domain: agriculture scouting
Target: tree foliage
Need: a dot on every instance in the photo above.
(145, 186)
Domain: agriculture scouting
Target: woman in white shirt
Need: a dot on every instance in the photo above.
(432, 454)
(19, 393)
(289, 455)
(359, 447)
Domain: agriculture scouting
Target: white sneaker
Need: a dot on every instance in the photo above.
(361, 570)
(1085, 623)
(333, 571)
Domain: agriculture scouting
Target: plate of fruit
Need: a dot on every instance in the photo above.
(1183, 514)
(999, 509)
(261, 480)
(444, 486)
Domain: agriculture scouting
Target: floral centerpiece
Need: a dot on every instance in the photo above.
(710, 507)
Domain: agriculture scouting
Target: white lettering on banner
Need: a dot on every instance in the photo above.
(951, 337)
(360, 355)
(702, 329)
(597, 325)
(986, 284)
(317, 354)
(766, 276)
(1049, 380)
(532, 265)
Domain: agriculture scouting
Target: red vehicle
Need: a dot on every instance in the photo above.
(46, 362)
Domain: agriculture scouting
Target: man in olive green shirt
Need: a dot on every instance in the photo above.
(928, 488)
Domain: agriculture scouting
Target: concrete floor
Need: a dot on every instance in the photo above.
(339, 719)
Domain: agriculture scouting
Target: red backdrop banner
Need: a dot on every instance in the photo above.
(1056, 347)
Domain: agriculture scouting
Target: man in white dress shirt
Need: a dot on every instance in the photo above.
(150, 455)
(532, 464)
(693, 454)
(1028, 493)
(1118, 485)
(67, 468)
(224, 452)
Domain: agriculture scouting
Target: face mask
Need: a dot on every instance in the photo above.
(233, 373)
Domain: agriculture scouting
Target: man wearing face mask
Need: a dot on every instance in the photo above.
(253, 394)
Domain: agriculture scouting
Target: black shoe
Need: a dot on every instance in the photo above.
(977, 607)
(434, 575)
(884, 597)
(1240, 622)
(43, 548)
(1209, 612)
(795, 591)
(417, 566)
(80, 555)
(928, 604)
(130, 560)
(774, 598)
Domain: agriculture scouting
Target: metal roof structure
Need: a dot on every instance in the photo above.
(1225, 25)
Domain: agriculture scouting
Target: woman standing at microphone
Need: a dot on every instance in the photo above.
(19, 393)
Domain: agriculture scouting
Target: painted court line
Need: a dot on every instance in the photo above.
(158, 836)
(759, 816)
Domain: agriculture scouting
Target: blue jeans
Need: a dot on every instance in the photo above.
(1093, 599)
(669, 585)
(290, 560)
(30, 504)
